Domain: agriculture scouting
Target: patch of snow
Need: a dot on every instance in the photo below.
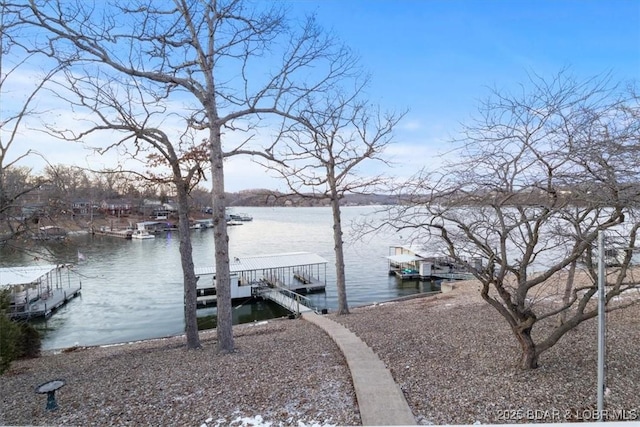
(259, 421)
(314, 424)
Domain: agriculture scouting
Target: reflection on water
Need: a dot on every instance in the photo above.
(246, 312)
(132, 289)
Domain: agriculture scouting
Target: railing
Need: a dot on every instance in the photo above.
(292, 301)
(454, 276)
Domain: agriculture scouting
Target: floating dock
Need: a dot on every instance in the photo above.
(308, 283)
(122, 234)
(44, 307)
(413, 263)
(37, 291)
(268, 276)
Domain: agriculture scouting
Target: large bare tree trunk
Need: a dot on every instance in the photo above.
(224, 329)
(529, 354)
(343, 306)
(188, 273)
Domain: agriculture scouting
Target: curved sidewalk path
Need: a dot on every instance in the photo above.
(380, 400)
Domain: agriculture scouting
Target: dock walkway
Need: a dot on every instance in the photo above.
(290, 300)
(380, 399)
(44, 307)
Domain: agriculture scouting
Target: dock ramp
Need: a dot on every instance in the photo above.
(290, 300)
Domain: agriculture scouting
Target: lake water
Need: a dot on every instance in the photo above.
(132, 289)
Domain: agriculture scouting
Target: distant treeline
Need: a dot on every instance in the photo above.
(264, 197)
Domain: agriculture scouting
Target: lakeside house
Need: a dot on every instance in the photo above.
(116, 207)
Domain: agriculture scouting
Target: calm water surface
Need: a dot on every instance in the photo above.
(132, 289)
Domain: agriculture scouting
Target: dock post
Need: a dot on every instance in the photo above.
(298, 305)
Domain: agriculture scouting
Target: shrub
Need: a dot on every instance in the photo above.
(29, 342)
(16, 339)
(8, 334)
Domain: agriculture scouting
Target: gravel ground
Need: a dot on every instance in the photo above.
(284, 371)
(455, 359)
(453, 356)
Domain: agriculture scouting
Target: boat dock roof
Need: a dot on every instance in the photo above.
(267, 262)
(404, 258)
(11, 276)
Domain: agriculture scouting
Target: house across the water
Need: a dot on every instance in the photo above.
(413, 262)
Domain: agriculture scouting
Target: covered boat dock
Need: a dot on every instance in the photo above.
(37, 291)
(291, 274)
(413, 262)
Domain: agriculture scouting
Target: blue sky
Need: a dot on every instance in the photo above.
(429, 54)
(436, 59)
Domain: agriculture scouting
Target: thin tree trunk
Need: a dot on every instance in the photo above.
(188, 272)
(224, 329)
(567, 292)
(343, 306)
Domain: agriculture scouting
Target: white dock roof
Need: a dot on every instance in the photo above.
(403, 258)
(23, 275)
(266, 262)
(420, 251)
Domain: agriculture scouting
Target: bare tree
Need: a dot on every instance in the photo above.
(15, 60)
(539, 175)
(233, 63)
(136, 116)
(334, 136)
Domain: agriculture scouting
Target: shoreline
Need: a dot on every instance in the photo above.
(452, 355)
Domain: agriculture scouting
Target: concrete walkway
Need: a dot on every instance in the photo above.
(380, 400)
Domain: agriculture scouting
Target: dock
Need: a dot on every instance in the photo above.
(281, 278)
(308, 283)
(45, 306)
(37, 291)
(413, 263)
(122, 234)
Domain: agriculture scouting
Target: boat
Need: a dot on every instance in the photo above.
(414, 263)
(37, 291)
(203, 223)
(142, 234)
(243, 217)
(153, 227)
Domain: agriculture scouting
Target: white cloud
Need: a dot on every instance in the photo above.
(410, 125)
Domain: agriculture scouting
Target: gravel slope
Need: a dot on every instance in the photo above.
(453, 356)
(284, 371)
